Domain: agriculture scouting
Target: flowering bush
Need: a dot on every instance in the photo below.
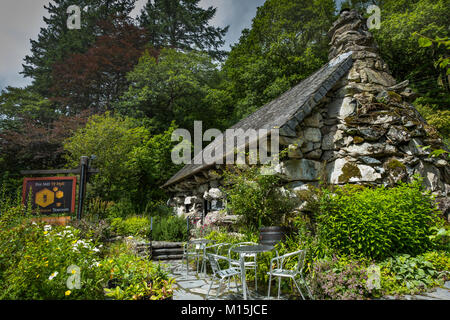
(48, 262)
(340, 279)
(39, 261)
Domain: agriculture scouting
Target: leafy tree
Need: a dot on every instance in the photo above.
(182, 24)
(178, 86)
(133, 162)
(97, 78)
(398, 45)
(286, 43)
(31, 134)
(17, 104)
(37, 145)
(55, 41)
(361, 4)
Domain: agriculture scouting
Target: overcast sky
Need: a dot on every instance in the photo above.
(21, 20)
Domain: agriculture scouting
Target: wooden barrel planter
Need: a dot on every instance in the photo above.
(271, 235)
(59, 221)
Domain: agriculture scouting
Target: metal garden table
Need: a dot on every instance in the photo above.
(242, 250)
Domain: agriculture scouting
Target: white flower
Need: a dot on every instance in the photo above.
(95, 264)
(54, 274)
(47, 227)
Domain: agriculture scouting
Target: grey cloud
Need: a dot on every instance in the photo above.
(21, 20)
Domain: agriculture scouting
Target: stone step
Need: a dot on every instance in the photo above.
(166, 244)
(167, 251)
(168, 257)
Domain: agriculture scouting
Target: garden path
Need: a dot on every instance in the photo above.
(436, 294)
(195, 286)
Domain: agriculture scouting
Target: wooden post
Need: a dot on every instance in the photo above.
(84, 164)
(187, 222)
(151, 237)
(205, 204)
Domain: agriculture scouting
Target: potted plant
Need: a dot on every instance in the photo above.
(261, 202)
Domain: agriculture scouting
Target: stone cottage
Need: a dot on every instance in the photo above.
(349, 122)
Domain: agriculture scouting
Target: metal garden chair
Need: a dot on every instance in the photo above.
(214, 247)
(221, 274)
(195, 248)
(280, 272)
(189, 250)
(250, 259)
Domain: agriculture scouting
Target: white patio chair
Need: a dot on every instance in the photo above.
(249, 259)
(280, 272)
(221, 274)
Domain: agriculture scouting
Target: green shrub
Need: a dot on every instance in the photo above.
(98, 209)
(165, 228)
(378, 223)
(441, 237)
(97, 231)
(121, 209)
(169, 228)
(132, 226)
(439, 259)
(404, 274)
(135, 278)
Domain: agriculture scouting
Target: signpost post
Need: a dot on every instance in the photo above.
(84, 164)
(151, 236)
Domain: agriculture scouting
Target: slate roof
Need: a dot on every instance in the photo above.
(285, 112)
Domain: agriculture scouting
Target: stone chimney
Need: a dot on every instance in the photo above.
(350, 33)
(377, 134)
